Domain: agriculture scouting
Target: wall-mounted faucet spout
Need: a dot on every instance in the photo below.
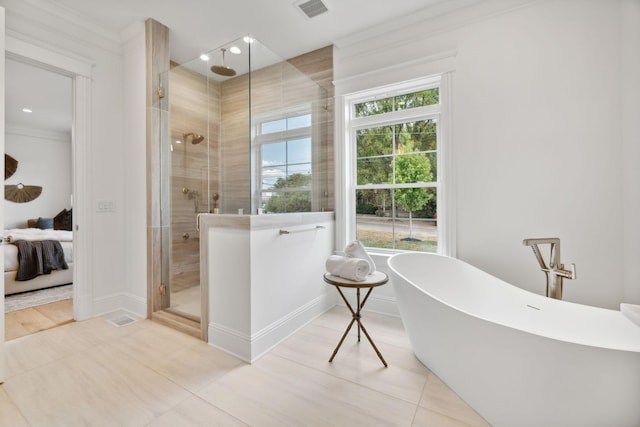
(555, 269)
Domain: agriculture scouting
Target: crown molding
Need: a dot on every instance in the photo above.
(428, 22)
(46, 20)
(40, 133)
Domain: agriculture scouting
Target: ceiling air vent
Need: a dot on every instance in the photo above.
(312, 8)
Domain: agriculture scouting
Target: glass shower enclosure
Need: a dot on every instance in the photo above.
(246, 133)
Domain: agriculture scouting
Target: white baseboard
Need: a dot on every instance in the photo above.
(118, 302)
(251, 348)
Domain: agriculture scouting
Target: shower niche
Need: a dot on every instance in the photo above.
(243, 132)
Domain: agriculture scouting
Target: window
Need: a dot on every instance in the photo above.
(396, 147)
(284, 154)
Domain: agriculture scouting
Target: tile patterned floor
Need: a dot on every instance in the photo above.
(93, 373)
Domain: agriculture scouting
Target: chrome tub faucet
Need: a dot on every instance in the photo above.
(555, 271)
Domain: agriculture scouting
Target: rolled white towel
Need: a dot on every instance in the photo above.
(356, 250)
(355, 269)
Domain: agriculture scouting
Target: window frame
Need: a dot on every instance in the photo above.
(440, 112)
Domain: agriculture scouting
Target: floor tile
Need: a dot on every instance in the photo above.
(143, 373)
(196, 366)
(195, 412)
(438, 397)
(404, 377)
(276, 391)
(101, 386)
(9, 413)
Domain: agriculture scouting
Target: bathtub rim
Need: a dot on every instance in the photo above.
(589, 341)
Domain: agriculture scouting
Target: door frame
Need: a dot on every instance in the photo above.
(80, 73)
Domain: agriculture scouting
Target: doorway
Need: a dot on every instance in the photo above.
(38, 197)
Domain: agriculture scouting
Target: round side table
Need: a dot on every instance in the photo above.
(375, 279)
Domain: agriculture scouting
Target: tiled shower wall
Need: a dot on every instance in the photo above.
(220, 112)
(194, 108)
(306, 78)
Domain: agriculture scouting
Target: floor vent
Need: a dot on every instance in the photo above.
(312, 8)
(122, 320)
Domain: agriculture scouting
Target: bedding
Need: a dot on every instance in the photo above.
(61, 254)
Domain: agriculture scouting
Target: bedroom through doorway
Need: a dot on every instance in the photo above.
(38, 205)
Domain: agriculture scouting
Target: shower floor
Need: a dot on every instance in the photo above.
(186, 301)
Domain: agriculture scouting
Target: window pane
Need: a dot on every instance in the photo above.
(273, 126)
(287, 201)
(399, 102)
(376, 170)
(417, 99)
(416, 230)
(374, 141)
(299, 122)
(273, 177)
(299, 151)
(299, 176)
(378, 226)
(371, 108)
(422, 134)
(412, 168)
(374, 224)
(274, 154)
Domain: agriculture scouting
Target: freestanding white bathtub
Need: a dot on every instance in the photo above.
(518, 358)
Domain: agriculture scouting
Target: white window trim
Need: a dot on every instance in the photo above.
(346, 173)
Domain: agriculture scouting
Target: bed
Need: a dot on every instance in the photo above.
(33, 236)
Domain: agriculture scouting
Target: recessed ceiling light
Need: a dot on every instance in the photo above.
(178, 141)
(235, 49)
(248, 39)
(27, 110)
(204, 57)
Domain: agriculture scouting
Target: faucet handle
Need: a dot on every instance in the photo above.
(567, 274)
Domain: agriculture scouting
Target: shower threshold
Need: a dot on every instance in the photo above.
(182, 322)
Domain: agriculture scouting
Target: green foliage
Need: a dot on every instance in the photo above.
(399, 102)
(412, 168)
(290, 201)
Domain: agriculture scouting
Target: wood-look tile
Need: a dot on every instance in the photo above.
(99, 387)
(155, 343)
(33, 351)
(196, 366)
(428, 418)
(195, 412)
(94, 373)
(276, 391)
(404, 377)
(438, 397)
(9, 413)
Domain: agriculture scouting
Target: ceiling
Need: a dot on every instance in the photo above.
(198, 26)
(47, 94)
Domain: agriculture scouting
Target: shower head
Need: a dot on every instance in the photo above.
(196, 138)
(222, 69)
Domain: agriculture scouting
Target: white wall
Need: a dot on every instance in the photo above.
(537, 140)
(135, 172)
(630, 70)
(44, 159)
